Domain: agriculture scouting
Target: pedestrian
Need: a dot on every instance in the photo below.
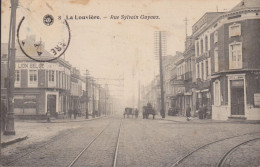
(75, 112)
(188, 110)
(48, 115)
(204, 111)
(70, 113)
(3, 116)
(200, 112)
(136, 113)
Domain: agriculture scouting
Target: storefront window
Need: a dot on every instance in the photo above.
(33, 78)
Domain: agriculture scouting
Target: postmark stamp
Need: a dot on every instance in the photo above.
(43, 41)
(48, 19)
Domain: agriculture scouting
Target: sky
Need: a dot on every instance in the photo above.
(110, 48)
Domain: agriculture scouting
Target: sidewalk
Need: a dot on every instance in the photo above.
(39, 130)
(197, 120)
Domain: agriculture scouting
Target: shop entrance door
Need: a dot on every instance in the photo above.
(51, 104)
(237, 98)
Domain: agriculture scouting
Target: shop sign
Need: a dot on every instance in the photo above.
(40, 66)
(237, 83)
(257, 99)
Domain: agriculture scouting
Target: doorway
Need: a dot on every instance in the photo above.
(237, 97)
(51, 104)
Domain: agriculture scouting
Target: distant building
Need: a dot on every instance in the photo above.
(203, 45)
(189, 77)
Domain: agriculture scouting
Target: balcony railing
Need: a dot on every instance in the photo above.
(180, 77)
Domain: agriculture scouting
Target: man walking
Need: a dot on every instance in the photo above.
(188, 111)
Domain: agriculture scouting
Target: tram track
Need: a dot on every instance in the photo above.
(54, 139)
(38, 148)
(228, 153)
(83, 151)
(180, 160)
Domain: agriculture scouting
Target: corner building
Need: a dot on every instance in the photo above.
(234, 55)
(39, 86)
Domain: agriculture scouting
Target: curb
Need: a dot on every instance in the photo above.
(5, 144)
(68, 121)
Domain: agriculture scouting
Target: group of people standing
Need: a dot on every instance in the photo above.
(73, 112)
(202, 112)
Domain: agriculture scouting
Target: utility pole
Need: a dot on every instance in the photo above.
(161, 75)
(10, 114)
(86, 94)
(99, 109)
(139, 93)
(186, 26)
(105, 102)
(93, 98)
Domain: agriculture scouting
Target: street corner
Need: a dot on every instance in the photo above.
(9, 140)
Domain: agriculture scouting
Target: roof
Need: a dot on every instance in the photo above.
(246, 4)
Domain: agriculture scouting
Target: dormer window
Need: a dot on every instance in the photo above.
(234, 30)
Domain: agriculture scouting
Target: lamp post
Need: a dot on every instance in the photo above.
(11, 68)
(93, 98)
(86, 94)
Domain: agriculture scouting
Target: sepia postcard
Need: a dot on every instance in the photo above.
(130, 83)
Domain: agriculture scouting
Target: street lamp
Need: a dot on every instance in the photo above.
(87, 93)
(11, 68)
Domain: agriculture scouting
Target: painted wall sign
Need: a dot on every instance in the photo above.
(41, 66)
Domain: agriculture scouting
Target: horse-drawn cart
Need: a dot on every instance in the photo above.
(147, 110)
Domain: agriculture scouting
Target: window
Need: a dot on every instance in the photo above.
(33, 78)
(201, 46)
(17, 78)
(51, 76)
(216, 60)
(206, 43)
(198, 48)
(235, 55)
(216, 37)
(217, 100)
(202, 70)
(206, 69)
(234, 30)
(198, 71)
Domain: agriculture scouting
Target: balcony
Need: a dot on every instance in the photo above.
(180, 77)
(203, 56)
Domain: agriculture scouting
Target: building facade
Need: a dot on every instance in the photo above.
(39, 86)
(227, 52)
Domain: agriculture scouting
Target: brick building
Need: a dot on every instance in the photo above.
(227, 55)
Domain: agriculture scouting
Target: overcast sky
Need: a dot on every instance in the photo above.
(108, 47)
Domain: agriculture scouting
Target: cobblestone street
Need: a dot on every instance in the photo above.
(142, 142)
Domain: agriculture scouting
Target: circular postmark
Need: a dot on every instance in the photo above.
(41, 42)
(48, 19)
